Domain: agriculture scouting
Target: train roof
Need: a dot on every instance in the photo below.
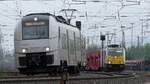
(48, 14)
(60, 19)
(113, 45)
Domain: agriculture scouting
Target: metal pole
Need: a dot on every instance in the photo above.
(102, 39)
(102, 54)
(114, 36)
(123, 36)
(138, 42)
(142, 32)
(107, 37)
(2, 53)
(64, 74)
(132, 34)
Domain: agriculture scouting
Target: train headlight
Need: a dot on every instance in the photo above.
(24, 50)
(84, 64)
(47, 49)
(109, 62)
(122, 62)
(35, 18)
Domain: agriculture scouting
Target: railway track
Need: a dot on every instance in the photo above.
(82, 74)
(71, 80)
(84, 77)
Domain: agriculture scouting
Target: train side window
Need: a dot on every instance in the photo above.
(64, 41)
(71, 46)
(78, 44)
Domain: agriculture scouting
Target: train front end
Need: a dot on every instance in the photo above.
(32, 44)
(115, 58)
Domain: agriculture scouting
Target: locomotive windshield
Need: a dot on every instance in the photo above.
(115, 52)
(35, 30)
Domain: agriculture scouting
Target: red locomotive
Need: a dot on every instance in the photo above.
(94, 60)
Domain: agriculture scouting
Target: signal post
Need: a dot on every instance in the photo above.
(102, 53)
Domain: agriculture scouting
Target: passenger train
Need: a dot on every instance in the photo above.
(115, 58)
(45, 42)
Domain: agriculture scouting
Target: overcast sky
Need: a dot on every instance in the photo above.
(103, 16)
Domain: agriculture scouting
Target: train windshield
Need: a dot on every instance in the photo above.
(115, 52)
(35, 32)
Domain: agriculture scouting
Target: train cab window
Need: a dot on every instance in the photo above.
(35, 32)
(115, 52)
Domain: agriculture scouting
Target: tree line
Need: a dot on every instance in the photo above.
(138, 52)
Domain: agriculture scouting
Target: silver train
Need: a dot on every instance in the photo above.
(44, 43)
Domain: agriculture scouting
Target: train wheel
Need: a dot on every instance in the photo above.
(29, 74)
(49, 73)
(76, 70)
